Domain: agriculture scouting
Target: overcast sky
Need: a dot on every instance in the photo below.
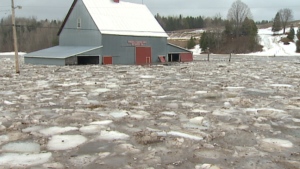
(57, 9)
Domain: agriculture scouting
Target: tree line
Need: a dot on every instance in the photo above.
(32, 34)
(173, 23)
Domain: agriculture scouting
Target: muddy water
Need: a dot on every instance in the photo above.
(242, 114)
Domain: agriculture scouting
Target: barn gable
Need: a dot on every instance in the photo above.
(120, 18)
(79, 28)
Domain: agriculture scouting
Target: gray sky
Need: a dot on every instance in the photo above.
(57, 9)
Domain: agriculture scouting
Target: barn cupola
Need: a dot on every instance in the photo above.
(116, 1)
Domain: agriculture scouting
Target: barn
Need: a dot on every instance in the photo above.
(109, 32)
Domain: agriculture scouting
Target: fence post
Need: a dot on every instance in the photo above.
(230, 57)
(207, 54)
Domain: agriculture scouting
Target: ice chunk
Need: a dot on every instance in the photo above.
(172, 105)
(3, 138)
(56, 130)
(65, 142)
(200, 92)
(32, 129)
(197, 120)
(83, 160)
(113, 135)
(231, 88)
(281, 85)
(8, 102)
(277, 143)
(119, 114)
(13, 160)
(105, 122)
(22, 147)
(184, 135)
(101, 90)
(68, 84)
(169, 113)
(147, 77)
(90, 129)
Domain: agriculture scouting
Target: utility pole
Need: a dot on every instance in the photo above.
(15, 37)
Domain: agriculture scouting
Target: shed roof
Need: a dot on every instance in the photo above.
(61, 52)
(123, 18)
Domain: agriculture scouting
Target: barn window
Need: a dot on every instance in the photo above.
(78, 23)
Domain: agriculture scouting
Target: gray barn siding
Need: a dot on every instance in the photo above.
(122, 52)
(45, 61)
(87, 35)
(173, 49)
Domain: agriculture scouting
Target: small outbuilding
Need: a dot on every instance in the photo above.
(109, 32)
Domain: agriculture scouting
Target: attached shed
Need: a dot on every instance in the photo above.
(109, 32)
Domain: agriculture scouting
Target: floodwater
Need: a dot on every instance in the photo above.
(241, 114)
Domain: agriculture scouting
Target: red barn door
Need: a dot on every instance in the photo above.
(143, 55)
(107, 60)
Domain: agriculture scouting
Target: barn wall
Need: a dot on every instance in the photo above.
(44, 61)
(87, 35)
(123, 51)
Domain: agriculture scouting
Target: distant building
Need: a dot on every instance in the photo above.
(109, 32)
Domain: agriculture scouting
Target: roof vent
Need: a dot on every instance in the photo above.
(116, 1)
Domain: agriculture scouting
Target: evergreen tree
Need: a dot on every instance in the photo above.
(249, 27)
(276, 23)
(228, 28)
(191, 43)
(204, 41)
(298, 41)
(291, 34)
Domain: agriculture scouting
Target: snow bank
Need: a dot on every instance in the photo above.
(272, 46)
(11, 54)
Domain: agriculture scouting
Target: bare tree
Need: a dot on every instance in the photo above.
(286, 15)
(237, 13)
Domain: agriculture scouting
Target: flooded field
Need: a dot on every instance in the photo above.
(242, 114)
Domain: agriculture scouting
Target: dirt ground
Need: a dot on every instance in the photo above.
(242, 114)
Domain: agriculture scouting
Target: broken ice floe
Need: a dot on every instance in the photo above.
(105, 122)
(23, 160)
(56, 130)
(21, 147)
(112, 135)
(281, 85)
(65, 142)
(118, 114)
(83, 160)
(272, 144)
(168, 113)
(184, 135)
(90, 129)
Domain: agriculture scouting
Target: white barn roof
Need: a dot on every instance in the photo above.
(123, 18)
